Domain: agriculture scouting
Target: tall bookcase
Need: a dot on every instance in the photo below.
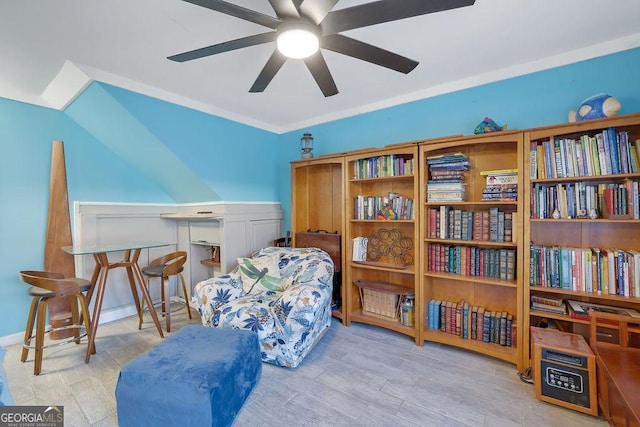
(317, 201)
(565, 259)
(377, 285)
(461, 271)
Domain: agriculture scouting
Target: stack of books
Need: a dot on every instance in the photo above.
(501, 184)
(446, 177)
(547, 304)
(471, 322)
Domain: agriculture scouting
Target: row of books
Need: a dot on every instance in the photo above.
(391, 207)
(500, 185)
(494, 224)
(605, 153)
(592, 270)
(383, 166)
(576, 309)
(446, 176)
(471, 322)
(472, 261)
(582, 199)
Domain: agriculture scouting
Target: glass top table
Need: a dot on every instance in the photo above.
(99, 279)
(110, 247)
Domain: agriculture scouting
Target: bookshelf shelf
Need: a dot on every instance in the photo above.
(473, 203)
(475, 279)
(586, 220)
(487, 289)
(473, 242)
(359, 316)
(385, 221)
(384, 191)
(508, 354)
(409, 270)
(384, 178)
(591, 295)
(578, 150)
(608, 177)
(556, 316)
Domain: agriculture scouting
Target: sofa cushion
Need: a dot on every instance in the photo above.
(260, 275)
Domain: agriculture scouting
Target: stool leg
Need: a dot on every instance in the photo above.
(75, 319)
(186, 296)
(28, 333)
(141, 313)
(166, 304)
(42, 312)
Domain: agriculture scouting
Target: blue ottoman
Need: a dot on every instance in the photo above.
(199, 376)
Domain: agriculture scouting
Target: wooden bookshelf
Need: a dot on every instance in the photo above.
(317, 203)
(399, 234)
(497, 151)
(575, 233)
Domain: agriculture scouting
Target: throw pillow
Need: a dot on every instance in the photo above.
(260, 275)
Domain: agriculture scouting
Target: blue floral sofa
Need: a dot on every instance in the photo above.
(282, 294)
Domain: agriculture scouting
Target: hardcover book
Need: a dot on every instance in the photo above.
(580, 310)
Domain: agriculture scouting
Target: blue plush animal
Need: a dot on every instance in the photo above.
(596, 107)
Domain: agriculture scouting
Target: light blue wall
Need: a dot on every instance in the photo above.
(239, 162)
(539, 99)
(94, 173)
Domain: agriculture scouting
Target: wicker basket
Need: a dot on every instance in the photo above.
(380, 303)
(381, 299)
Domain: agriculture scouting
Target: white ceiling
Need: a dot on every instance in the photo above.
(126, 42)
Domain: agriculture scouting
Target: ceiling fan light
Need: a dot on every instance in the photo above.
(297, 43)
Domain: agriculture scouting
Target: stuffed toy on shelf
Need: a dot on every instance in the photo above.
(596, 107)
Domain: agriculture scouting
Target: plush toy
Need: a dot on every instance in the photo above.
(488, 126)
(596, 107)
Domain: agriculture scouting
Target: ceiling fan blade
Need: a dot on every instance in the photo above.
(366, 52)
(225, 47)
(320, 72)
(285, 8)
(273, 65)
(381, 11)
(238, 11)
(316, 10)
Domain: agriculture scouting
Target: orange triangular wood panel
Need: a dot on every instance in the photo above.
(58, 218)
(58, 233)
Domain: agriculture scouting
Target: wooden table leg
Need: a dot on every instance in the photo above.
(132, 283)
(102, 263)
(99, 279)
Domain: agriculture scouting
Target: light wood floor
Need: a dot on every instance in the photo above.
(355, 376)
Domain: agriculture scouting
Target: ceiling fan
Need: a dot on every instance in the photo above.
(314, 21)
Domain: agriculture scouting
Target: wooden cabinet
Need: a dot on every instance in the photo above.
(318, 203)
(573, 238)
(465, 271)
(382, 188)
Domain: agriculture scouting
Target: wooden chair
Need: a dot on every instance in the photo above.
(618, 366)
(168, 265)
(45, 286)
